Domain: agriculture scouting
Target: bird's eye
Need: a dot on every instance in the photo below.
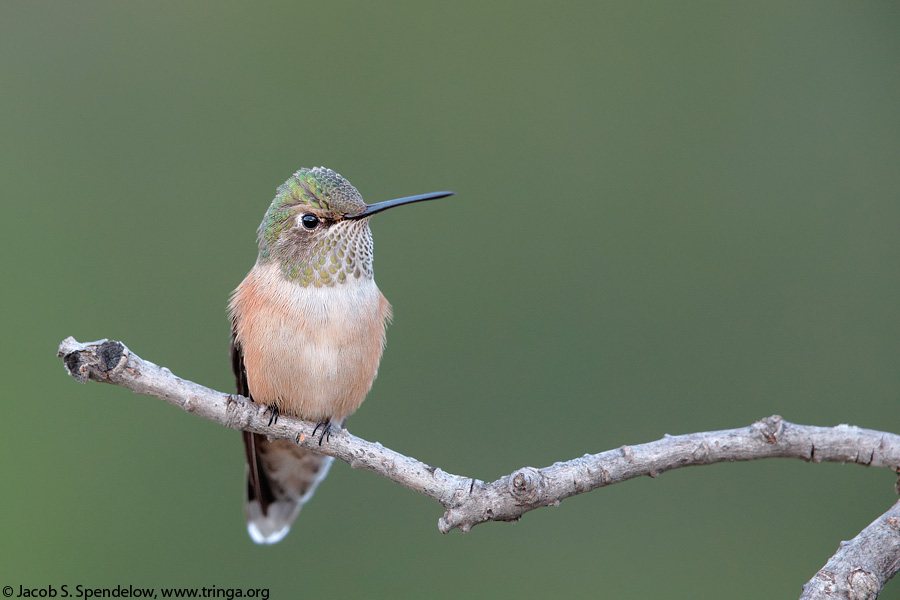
(309, 221)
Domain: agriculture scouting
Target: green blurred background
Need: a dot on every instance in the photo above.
(671, 217)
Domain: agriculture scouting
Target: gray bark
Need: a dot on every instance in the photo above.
(859, 569)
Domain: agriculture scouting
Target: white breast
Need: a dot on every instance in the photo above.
(313, 352)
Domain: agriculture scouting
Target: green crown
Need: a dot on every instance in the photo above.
(322, 190)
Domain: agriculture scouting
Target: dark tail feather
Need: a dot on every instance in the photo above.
(281, 478)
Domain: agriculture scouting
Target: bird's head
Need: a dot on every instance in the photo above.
(317, 228)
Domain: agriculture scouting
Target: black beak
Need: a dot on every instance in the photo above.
(371, 209)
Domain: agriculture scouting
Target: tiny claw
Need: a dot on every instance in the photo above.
(326, 430)
(275, 414)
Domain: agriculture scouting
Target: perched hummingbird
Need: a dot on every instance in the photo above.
(307, 333)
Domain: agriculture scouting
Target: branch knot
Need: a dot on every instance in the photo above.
(526, 485)
(772, 428)
(863, 585)
(92, 361)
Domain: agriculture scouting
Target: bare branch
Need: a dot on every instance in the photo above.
(861, 567)
(864, 563)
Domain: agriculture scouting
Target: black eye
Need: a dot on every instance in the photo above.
(310, 221)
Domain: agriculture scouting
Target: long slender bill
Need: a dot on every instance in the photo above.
(371, 209)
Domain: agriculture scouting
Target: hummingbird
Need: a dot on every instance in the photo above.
(307, 334)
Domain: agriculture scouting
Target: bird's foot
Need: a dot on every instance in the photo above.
(326, 430)
(275, 413)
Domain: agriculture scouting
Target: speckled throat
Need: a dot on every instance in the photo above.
(339, 254)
